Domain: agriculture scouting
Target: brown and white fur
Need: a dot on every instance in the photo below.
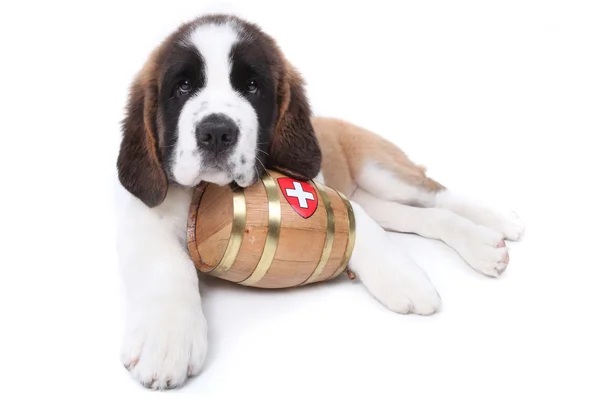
(217, 102)
(399, 195)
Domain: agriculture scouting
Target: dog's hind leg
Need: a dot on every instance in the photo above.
(506, 222)
(482, 248)
(356, 158)
(408, 184)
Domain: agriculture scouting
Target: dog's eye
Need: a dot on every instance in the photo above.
(184, 86)
(252, 86)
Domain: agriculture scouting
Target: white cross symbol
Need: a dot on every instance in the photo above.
(300, 194)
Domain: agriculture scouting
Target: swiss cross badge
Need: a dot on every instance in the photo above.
(300, 195)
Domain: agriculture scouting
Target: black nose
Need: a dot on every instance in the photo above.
(217, 132)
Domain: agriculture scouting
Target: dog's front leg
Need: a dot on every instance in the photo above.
(166, 336)
(388, 273)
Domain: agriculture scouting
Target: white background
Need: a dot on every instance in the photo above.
(499, 99)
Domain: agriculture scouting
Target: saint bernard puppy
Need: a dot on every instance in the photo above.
(217, 101)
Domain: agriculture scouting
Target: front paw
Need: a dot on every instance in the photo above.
(399, 284)
(166, 345)
(410, 297)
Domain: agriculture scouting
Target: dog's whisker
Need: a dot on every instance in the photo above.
(262, 151)
(261, 163)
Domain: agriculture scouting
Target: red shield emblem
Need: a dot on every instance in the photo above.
(300, 195)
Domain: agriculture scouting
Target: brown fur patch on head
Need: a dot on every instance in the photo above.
(139, 165)
(294, 148)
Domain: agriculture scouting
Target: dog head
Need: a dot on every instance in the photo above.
(217, 102)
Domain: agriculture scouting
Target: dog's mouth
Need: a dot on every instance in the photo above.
(225, 174)
(216, 174)
(224, 171)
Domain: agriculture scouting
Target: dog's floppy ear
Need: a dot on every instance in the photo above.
(294, 149)
(139, 166)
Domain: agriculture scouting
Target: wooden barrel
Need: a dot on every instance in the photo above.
(277, 233)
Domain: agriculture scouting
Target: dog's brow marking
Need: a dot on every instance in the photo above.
(214, 42)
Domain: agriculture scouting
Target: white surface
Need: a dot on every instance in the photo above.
(499, 100)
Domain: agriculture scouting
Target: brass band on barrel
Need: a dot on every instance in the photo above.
(351, 236)
(328, 237)
(274, 227)
(237, 233)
